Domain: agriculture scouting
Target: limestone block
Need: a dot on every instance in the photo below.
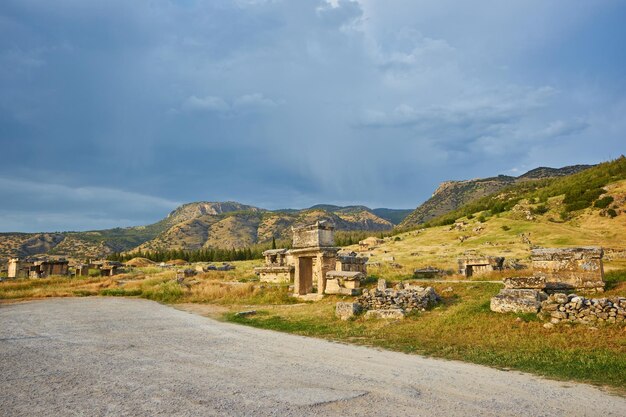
(504, 304)
(538, 283)
(382, 284)
(392, 313)
(346, 310)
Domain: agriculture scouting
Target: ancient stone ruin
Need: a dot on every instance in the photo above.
(573, 308)
(344, 282)
(390, 303)
(370, 242)
(471, 266)
(520, 295)
(314, 264)
(278, 267)
(18, 268)
(570, 268)
(556, 272)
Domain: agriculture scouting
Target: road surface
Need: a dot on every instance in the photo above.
(116, 356)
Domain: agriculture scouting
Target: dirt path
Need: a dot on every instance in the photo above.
(114, 356)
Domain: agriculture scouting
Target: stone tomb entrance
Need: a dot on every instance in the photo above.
(314, 255)
(312, 264)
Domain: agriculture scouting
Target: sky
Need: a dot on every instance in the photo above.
(112, 113)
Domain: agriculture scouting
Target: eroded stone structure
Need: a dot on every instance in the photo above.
(47, 268)
(314, 254)
(314, 264)
(520, 295)
(570, 268)
(278, 267)
(344, 282)
(18, 268)
(480, 265)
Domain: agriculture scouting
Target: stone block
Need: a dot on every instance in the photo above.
(392, 313)
(346, 310)
(504, 304)
(538, 283)
(382, 284)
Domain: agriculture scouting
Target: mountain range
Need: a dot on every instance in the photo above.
(231, 224)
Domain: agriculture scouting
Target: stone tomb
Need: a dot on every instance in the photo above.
(344, 282)
(570, 268)
(520, 295)
(477, 266)
(314, 254)
(278, 267)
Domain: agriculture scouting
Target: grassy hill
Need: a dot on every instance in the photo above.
(193, 226)
(586, 208)
(454, 194)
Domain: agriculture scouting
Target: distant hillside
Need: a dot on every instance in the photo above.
(395, 216)
(192, 226)
(451, 195)
(565, 195)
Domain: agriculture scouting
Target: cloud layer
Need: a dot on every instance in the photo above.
(287, 104)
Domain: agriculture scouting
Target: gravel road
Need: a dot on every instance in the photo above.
(110, 356)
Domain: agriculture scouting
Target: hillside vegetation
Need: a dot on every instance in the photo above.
(580, 190)
(197, 226)
(452, 195)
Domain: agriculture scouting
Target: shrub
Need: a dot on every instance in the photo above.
(603, 202)
(482, 218)
(612, 213)
(506, 228)
(470, 216)
(541, 209)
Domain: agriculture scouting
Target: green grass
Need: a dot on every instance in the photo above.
(120, 292)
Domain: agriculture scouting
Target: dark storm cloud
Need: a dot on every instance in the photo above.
(114, 112)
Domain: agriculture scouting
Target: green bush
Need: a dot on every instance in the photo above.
(603, 202)
(120, 292)
(506, 228)
(541, 209)
(482, 218)
(612, 213)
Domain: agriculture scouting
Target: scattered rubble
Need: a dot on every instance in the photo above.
(407, 299)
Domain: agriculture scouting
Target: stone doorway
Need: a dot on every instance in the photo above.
(305, 275)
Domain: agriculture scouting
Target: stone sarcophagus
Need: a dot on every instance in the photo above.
(570, 268)
(278, 267)
(480, 265)
(344, 282)
(318, 235)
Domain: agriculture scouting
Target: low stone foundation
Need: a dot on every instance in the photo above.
(573, 308)
(411, 297)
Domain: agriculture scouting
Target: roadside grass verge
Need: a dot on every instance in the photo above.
(463, 328)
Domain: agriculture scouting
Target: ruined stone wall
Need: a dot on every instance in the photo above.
(570, 268)
(572, 308)
(413, 298)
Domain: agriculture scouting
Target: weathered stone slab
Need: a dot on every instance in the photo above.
(346, 310)
(578, 268)
(394, 314)
(518, 301)
(538, 283)
(504, 304)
